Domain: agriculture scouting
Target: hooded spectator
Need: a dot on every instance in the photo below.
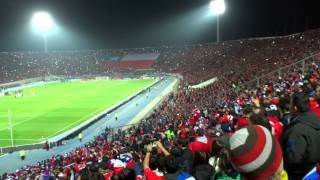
(301, 140)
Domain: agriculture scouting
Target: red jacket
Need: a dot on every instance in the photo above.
(201, 143)
(314, 107)
(277, 127)
(150, 175)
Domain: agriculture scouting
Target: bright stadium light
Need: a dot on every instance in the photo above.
(43, 23)
(217, 7)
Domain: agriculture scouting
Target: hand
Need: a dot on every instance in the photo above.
(158, 143)
(149, 147)
(256, 102)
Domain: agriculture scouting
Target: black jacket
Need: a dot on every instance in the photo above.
(203, 172)
(301, 145)
(185, 161)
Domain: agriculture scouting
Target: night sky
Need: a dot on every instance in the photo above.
(99, 24)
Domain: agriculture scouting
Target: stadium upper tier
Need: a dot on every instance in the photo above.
(195, 62)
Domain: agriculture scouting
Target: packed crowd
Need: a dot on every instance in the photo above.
(269, 130)
(191, 61)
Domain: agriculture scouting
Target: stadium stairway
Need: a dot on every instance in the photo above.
(12, 162)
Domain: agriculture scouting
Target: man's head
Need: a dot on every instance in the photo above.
(200, 132)
(284, 104)
(160, 162)
(300, 102)
(182, 142)
(127, 174)
(171, 165)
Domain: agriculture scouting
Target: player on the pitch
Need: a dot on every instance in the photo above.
(80, 136)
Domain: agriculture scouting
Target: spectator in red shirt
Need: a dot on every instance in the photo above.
(148, 173)
(201, 143)
(127, 174)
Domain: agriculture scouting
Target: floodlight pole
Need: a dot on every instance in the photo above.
(45, 41)
(10, 126)
(218, 28)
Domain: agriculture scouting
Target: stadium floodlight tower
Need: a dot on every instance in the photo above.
(43, 23)
(217, 7)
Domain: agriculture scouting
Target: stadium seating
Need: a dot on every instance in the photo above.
(201, 133)
(142, 61)
(131, 65)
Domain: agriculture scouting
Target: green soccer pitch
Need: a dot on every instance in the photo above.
(48, 110)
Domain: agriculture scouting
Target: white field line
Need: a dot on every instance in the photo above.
(20, 139)
(84, 117)
(55, 132)
(20, 122)
(6, 116)
(99, 110)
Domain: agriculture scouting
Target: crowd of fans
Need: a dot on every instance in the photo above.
(269, 130)
(210, 60)
(191, 61)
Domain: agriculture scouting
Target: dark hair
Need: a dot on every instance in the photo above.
(182, 142)
(200, 158)
(284, 103)
(154, 151)
(301, 102)
(260, 119)
(247, 110)
(115, 177)
(176, 151)
(225, 164)
(216, 148)
(171, 165)
(200, 132)
(147, 140)
(94, 167)
(153, 163)
(96, 176)
(161, 162)
(127, 174)
(84, 174)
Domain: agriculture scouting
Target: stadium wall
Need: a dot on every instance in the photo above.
(204, 84)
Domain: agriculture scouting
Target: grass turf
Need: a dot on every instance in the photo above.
(47, 110)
